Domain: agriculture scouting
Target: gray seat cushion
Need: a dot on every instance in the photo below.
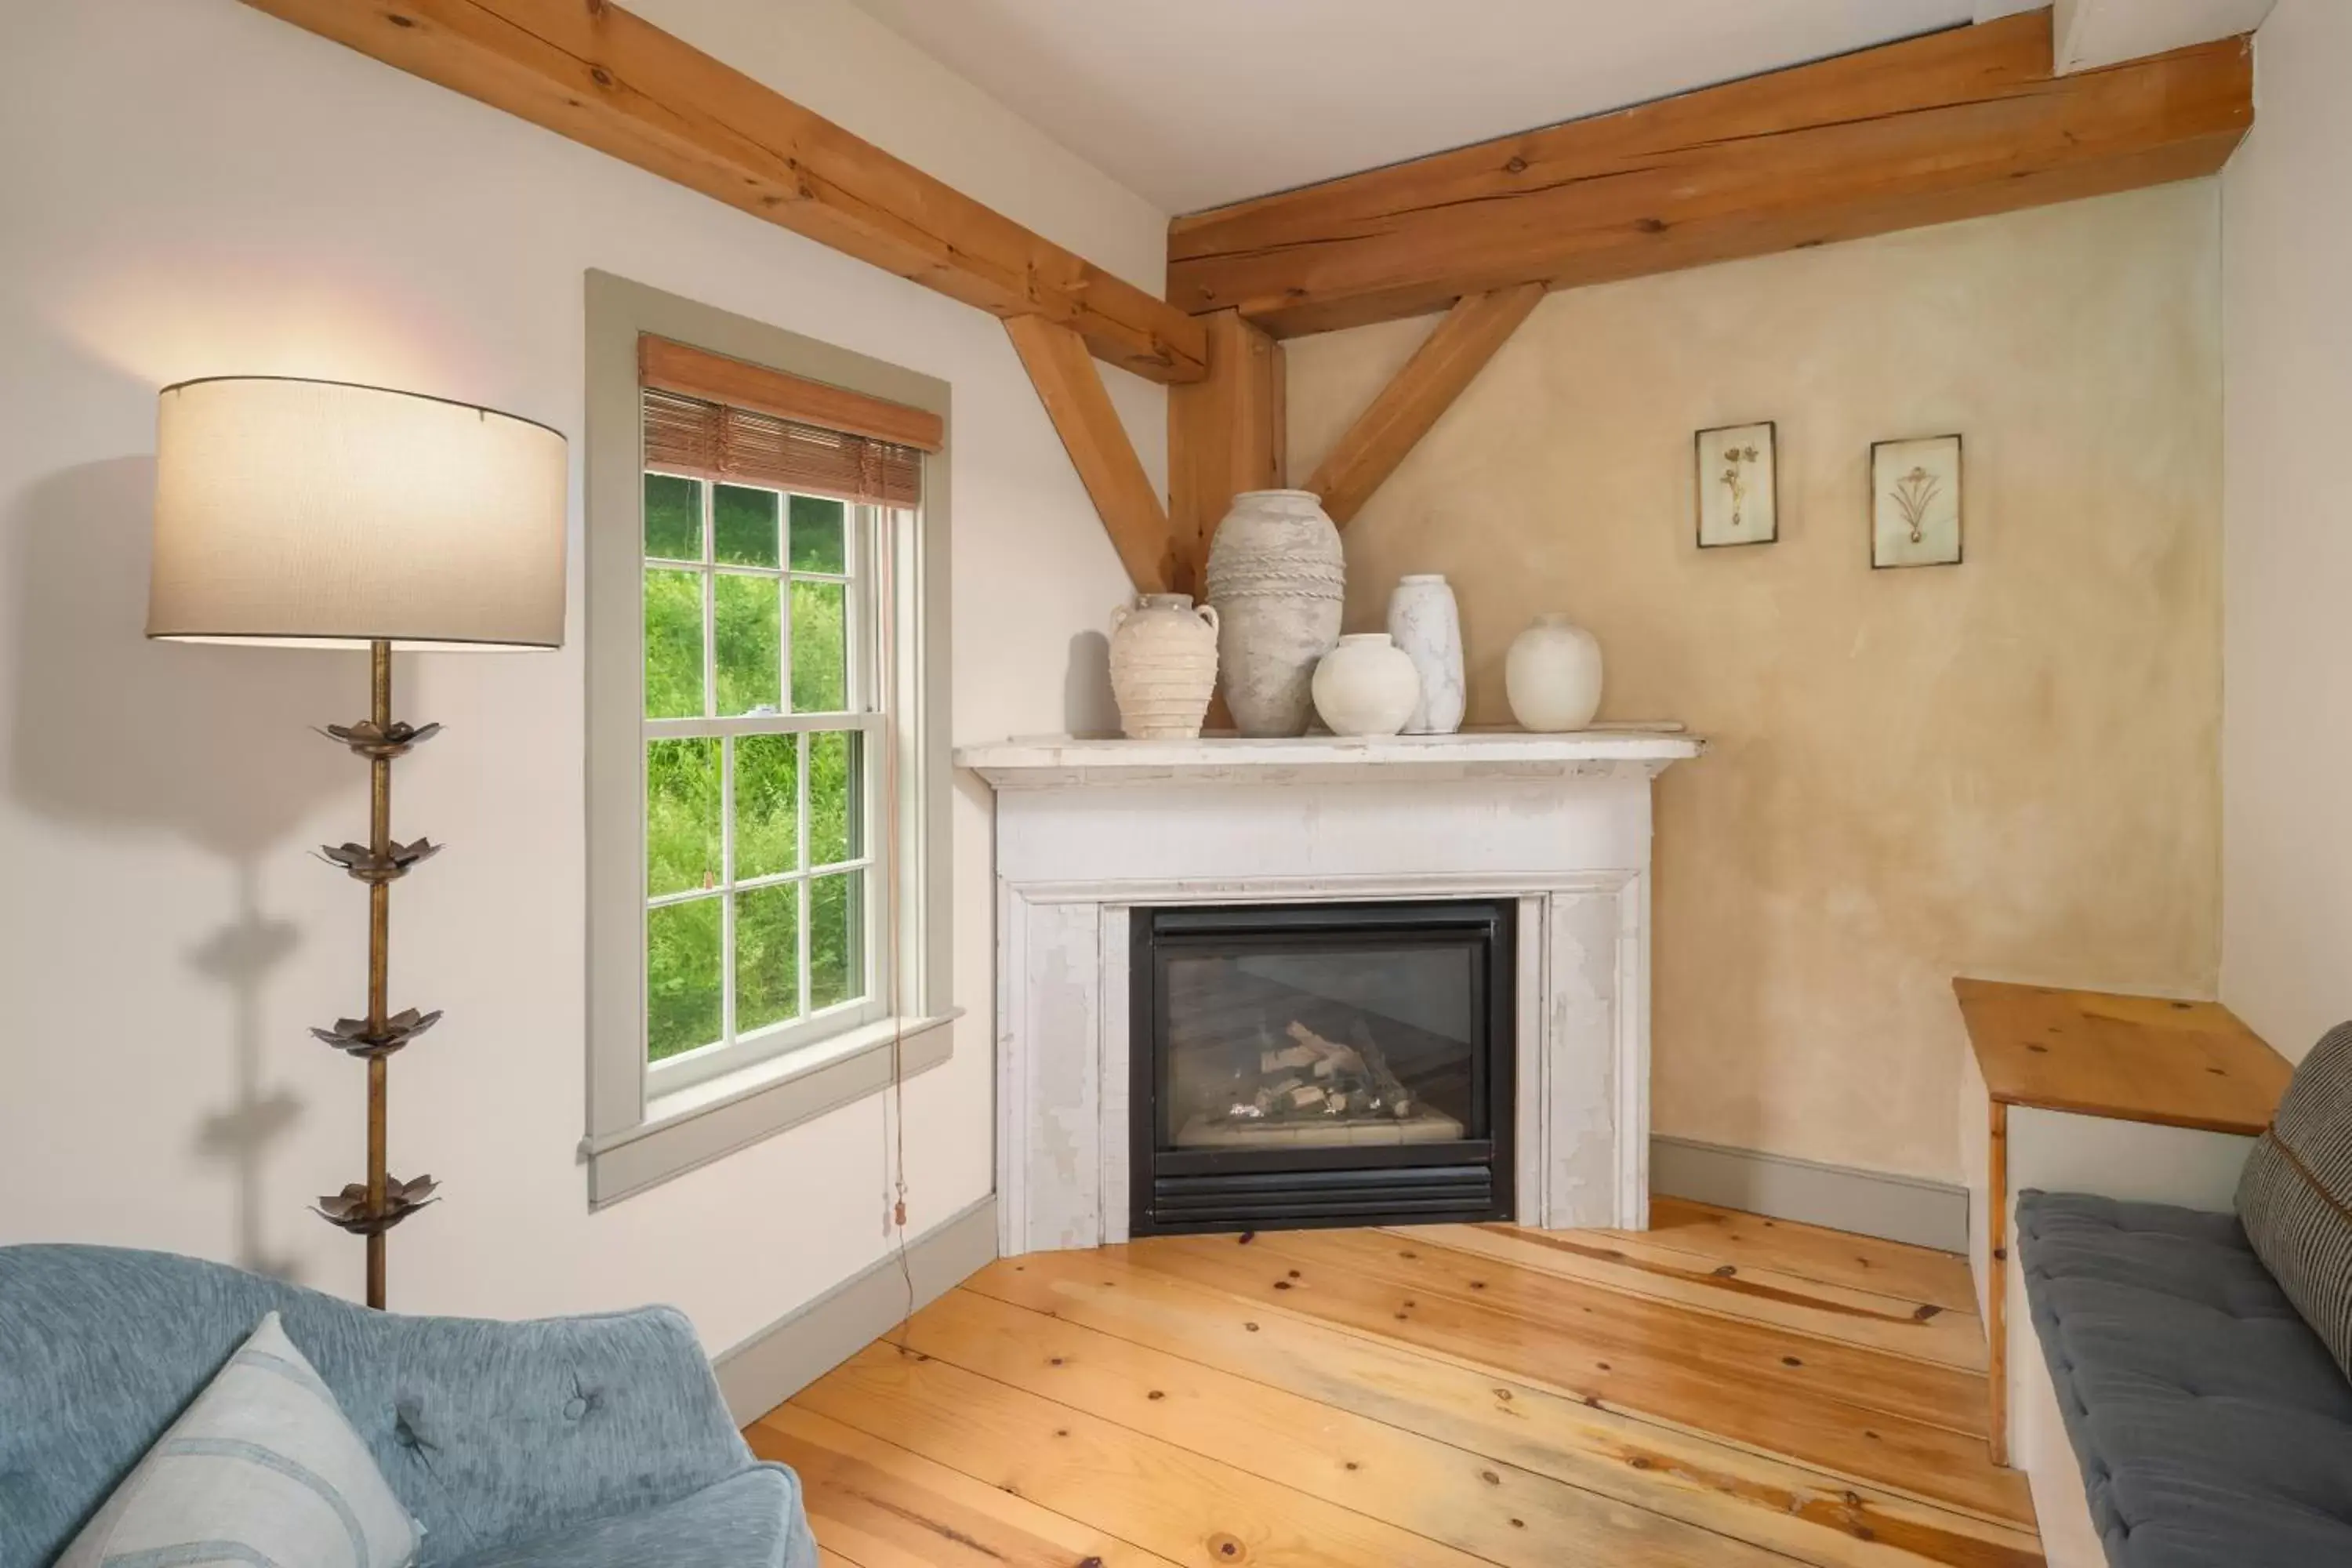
(2212, 1425)
(2296, 1197)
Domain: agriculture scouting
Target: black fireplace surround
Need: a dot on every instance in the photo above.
(1326, 1063)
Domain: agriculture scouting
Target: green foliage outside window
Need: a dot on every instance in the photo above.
(684, 992)
(820, 535)
(820, 650)
(767, 956)
(682, 845)
(673, 645)
(746, 522)
(767, 805)
(837, 916)
(833, 835)
(749, 645)
(673, 518)
(685, 805)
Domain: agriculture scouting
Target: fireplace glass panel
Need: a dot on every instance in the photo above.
(1367, 1045)
(1323, 1064)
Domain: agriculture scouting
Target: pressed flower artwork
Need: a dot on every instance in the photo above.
(1914, 502)
(1739, 489)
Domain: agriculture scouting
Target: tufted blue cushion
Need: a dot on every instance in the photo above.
(2211, 1423)
(494, 1436)
(754, 1517)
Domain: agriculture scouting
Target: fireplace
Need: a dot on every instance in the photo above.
(1321, 1065)
(1550, 831)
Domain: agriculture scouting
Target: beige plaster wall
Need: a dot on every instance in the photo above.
(2008, 767)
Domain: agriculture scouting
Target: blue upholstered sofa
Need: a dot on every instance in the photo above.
(592, 1442)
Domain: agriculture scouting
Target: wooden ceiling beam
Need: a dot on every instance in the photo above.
(1953, 125)
(1364, 458)
(592, 71)
(1076, 401)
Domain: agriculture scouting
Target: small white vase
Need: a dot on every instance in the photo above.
(1553, 676)
(1275, 573)
(1366, 686)
(1426, 623)
(1163, 666)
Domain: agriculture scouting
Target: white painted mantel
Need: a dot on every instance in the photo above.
(1089, 830)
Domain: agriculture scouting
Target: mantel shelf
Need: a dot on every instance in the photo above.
(1056, 761)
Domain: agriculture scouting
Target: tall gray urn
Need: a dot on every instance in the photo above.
(1276, 577)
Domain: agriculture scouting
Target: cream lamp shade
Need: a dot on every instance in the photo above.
(319, 514)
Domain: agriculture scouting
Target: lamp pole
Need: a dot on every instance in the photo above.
(371, 1208)
(379, 1068)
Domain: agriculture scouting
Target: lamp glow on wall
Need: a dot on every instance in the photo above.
(319, 514)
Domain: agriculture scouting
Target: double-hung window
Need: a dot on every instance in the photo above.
(774, 838)
(766, 737)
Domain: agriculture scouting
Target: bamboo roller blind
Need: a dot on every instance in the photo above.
(722, 419)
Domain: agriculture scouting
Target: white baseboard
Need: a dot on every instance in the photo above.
(1868, 1203)
(802, 1346)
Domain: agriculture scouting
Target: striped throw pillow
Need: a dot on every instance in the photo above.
(2296, 1197)
(262, 1470)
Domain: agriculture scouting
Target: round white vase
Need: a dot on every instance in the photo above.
(1276, 575)
(1426, 623)
(1366, 686)
(1163, 666)
(1553, 676)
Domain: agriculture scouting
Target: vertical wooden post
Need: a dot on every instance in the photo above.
(379, 957)
(1997, 1288)
(1225, 435)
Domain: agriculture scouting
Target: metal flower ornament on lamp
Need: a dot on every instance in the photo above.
(320, 514)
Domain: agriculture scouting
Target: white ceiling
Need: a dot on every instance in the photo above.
(1193, 103)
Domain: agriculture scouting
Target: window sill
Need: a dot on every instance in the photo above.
(710, 1120)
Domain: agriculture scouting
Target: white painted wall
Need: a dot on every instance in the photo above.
(2091, 34)
(190, 187)
(2286, 962)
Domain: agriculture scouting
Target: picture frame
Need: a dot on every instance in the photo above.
(1917, 496)
(1738, 473)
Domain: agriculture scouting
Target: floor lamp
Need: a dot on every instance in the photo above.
(318, 514)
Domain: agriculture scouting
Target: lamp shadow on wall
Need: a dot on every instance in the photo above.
(209, 746)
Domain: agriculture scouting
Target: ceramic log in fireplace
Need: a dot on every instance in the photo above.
(1324, 1064)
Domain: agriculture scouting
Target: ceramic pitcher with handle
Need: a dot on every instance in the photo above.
(1163, 666)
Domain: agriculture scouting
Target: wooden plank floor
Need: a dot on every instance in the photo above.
(1719, 1392)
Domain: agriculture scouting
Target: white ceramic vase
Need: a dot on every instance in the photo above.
(1426, 623)
(1163, 666)
(1553, 676)
(1366, 686)
(1276, 575)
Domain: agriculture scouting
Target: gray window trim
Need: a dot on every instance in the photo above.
(631, 1144)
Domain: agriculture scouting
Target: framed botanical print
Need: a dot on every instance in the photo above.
(1914, 502)
(1738, 485)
